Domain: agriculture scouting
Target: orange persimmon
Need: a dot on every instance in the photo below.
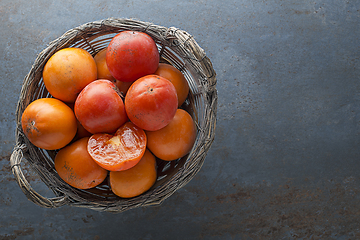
(67, 72)
(136, 180)
(49, 123)
(102, 69)
(175, 140)
(77, 168)
(176, 78)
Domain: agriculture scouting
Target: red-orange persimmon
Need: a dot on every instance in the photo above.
(100, 108)
(131, 55)
(151, 102)
(104, 73)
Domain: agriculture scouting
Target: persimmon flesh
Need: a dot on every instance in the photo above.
(119, 151)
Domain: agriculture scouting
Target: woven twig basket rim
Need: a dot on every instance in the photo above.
(176, 46)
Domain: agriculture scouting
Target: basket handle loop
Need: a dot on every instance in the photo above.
(31, 194)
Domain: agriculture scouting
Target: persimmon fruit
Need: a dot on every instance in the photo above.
(100, 108)
(136, 180)
(174, 140)
(151, 102)
(104, 73)
(179, 81)
(49, 123)
(67, 72)
(76, 167)
(102, 69)
(131, 55)
(119, 151)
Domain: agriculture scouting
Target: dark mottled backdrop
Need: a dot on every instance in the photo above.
(285, 161)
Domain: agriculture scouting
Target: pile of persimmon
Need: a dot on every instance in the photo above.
(111, 115)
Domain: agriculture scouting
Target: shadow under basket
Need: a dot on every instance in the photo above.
(176, 47)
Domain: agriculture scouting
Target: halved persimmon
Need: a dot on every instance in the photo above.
(120, 151)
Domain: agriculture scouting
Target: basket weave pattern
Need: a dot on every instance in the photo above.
(176, 47)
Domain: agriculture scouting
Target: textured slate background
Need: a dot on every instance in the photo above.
(285, 161)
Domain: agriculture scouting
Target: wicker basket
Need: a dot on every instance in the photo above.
(176, 47)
